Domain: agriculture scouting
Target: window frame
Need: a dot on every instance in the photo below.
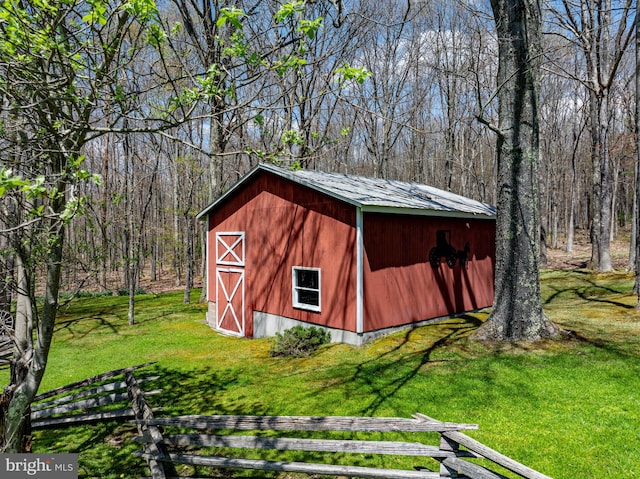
(295, 289)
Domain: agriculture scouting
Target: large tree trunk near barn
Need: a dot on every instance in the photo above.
(517, 310)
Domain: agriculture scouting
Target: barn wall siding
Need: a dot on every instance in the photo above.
(288, 225)
(400, 284)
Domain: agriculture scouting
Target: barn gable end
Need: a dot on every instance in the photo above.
(306, 247)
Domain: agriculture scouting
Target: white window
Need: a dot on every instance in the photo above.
(306, 288)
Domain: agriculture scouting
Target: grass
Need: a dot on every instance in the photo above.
(568, 408)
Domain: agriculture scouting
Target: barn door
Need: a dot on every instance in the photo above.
(230, 282)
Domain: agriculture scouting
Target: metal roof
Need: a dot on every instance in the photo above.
(374, 194)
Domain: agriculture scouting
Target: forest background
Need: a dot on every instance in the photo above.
(425, 75)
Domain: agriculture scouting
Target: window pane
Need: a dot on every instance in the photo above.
(306, 288)
(307, 279)
(309, 297)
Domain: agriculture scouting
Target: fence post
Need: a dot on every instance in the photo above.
(448, 445)
(142, 410)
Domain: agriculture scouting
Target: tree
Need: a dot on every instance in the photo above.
(637, 168)
(517, 310)
(388, 54)
(603, 33)
(563, 119)
(64, 68)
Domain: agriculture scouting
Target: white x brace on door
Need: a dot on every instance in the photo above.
(230, 253)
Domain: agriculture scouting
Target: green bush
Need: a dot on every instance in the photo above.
(93, 294)
(84, 294)
(125, 292)
(299, 341)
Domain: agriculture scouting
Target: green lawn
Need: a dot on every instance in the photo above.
(570, 408)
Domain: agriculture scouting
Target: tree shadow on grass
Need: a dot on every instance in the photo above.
(198, 391)
(590, 291)
(386, 374)
(83, 320)
(79, 327)
(105, 449)
(82, 327)
(612, 347)
(591, 298)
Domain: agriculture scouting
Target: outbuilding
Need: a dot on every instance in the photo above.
(358, 256)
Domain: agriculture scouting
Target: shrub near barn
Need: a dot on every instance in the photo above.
(298, 341)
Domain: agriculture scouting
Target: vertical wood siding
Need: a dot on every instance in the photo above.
(400, 284)
(288, 225)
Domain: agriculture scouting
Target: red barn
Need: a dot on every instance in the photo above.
(358, 256)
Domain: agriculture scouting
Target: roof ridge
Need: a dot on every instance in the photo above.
(390, 196)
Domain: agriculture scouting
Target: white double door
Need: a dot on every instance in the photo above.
(230, 263)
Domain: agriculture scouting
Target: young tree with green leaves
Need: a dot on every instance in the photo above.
(64, 80)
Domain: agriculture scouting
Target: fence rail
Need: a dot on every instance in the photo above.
(92, 400)
(6, 351)
(224, 442)
(190, 447)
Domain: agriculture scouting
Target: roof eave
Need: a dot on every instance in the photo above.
(278, 172)
(229, 192)
(368, 208)
(426, 212)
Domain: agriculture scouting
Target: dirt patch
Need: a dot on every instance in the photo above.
(580, 255)
(165, 282)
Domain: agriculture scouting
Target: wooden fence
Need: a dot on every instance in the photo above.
(6, 350)
(112, 396)
(214, 441)
(453, 451)
(101, 398)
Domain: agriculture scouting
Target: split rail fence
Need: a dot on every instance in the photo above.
(258, 443)
(453, 451)
(105, 397)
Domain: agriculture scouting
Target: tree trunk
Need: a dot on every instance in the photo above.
(31, 351)
(604, 178)
(103, 214)
(554, 223)
(12, 402)
(176, 227)
(572, 206)
(15, 411)
(517, 310)
(131, 279)
(637, 125)
(634, 225)
(7, 278)
(129, 233)
(203, 265)
(189, 259)
(543, 247)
